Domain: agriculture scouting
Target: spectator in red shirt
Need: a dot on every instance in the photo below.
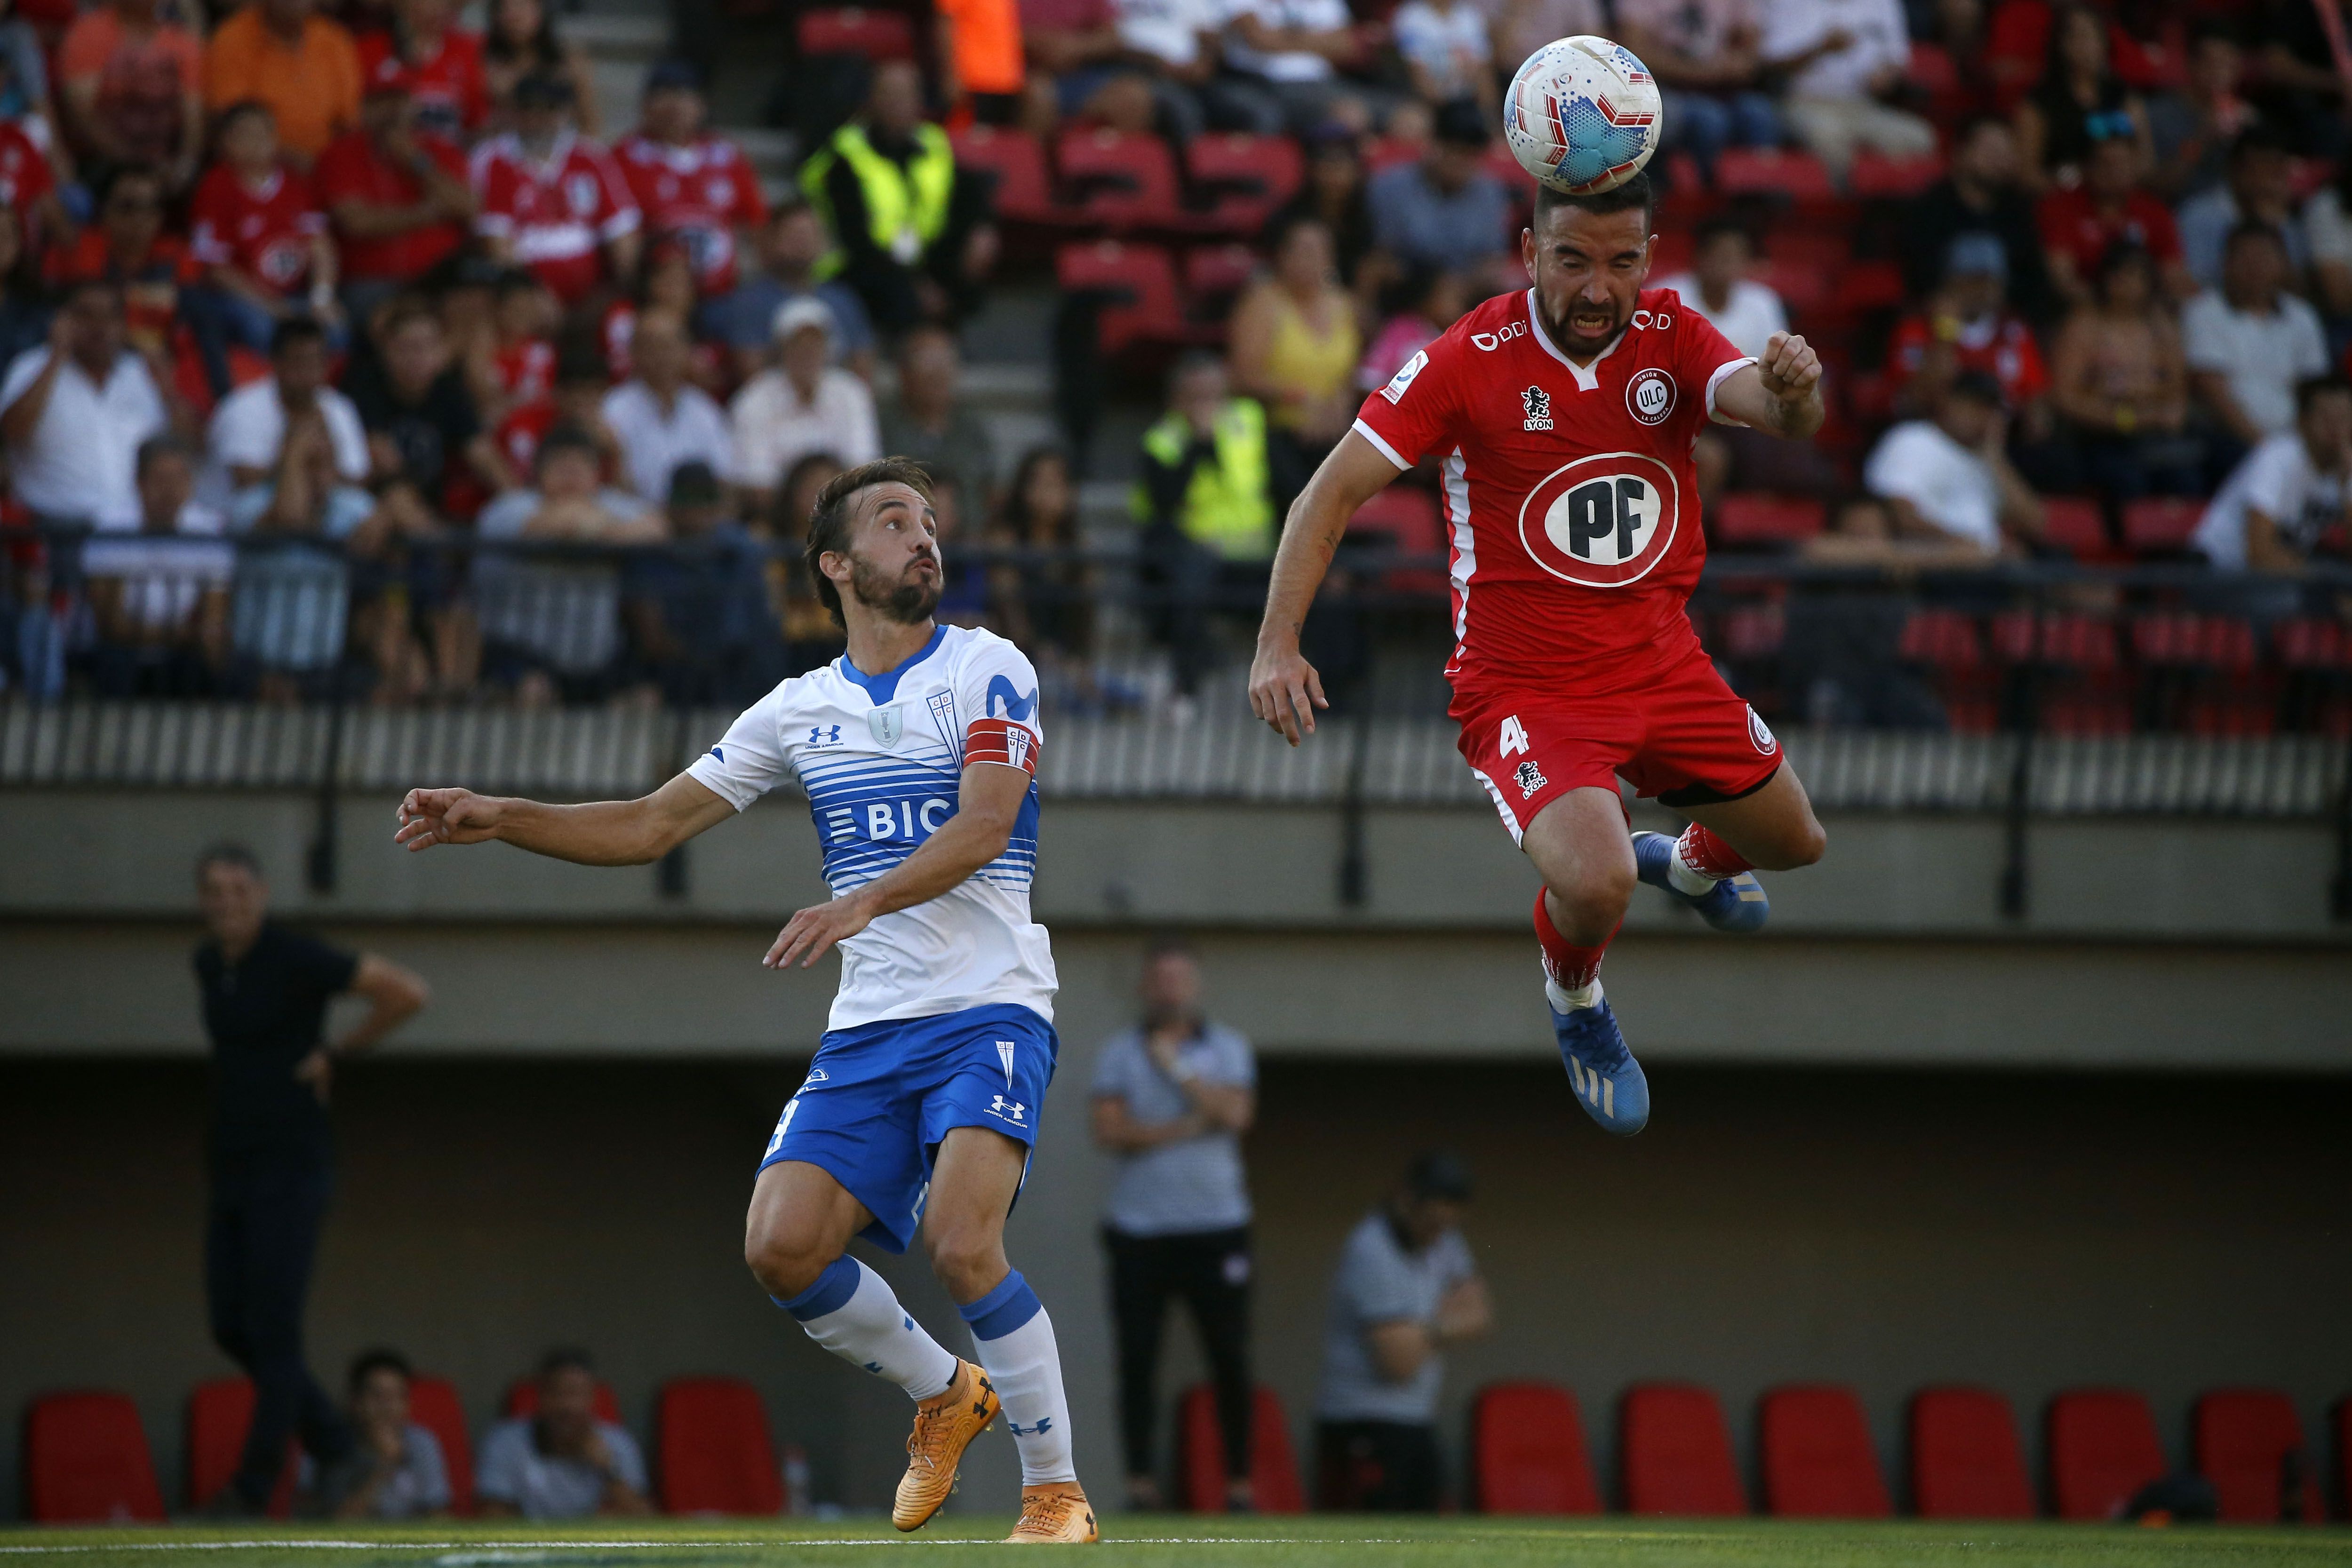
(262, 243)
(524, 317)
(398, 198)
(1966, 326)
(2108, 207)
(666, 287)
(553, 200)
(443, 62)
(28, 189)
(127, 247)
(577, 398)
(133, 89)
(697, 189)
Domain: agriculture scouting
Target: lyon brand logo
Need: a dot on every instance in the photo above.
(1538, 403)
(1602, 521)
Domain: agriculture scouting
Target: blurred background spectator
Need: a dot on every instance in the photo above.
(2249, 341)
(791, 243)
(1206, 503)
(661, 420)
(161, 595)
(803, 405)
(1446, 209)
(561, 1462)
(132, 86)
(927, 420)
(1844, 60)
(395, 1468)
(2275, 508)
(303, 65)
(521, 40)
(1981, 193)
(2259, 188)
(1946, 478)
(2079, 102)
(1710, 72)
(396, 195)
(550, 199)
(2080, 224)
(75, 412)
(1295, 347)
(2120, 382)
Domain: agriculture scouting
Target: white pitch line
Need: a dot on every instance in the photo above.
(487, 1546)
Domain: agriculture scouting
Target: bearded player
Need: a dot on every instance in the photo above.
(918, 748)
(1563, 417)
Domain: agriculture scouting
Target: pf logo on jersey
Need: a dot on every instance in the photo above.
(1602, 521)
(1650, 395)
(1538, 407)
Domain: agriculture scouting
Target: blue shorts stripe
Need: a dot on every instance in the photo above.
(1003, 1308)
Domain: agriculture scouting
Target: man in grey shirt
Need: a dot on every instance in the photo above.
(1172, 1098)
(395, 1469)
(561, 1462)
(1406, 1286)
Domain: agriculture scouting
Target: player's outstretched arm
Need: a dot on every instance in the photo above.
(1781, 393)
(1285, 690)
(988, 802)
(601, 832)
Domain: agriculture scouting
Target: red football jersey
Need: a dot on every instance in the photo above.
(1569, 496)
(25, 173)
(447, 87)
(526, 371)
(558, 215)
(265, 233)
(520, 432)
(698, 195)
(353, 167)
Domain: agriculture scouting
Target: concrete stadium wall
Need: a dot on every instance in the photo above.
(1887, 1229)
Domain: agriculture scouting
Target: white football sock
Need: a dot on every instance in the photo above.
(1565, 1000)
(1014, 1341)
(1687, 878)
(854, 1314)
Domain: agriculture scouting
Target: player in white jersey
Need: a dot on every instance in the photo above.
(919, 751)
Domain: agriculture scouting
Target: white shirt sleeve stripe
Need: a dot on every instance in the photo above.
(1722, 373)
(1369, 433)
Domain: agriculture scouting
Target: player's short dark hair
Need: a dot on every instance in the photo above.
(227, 851)
(2311, 389)
(829, 521)
(1634, 194)
(294, 331)
(368, 1362)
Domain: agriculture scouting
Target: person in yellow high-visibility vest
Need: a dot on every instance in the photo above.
(1206, 500)
(910, 231)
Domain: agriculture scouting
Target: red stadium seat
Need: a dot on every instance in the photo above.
(1214, 275)
(1527, 1451)
(2312, 642)
(1023, 192)
(1410, 519)
(2103, 1448)
(2161, 523)
(1120, 180)
(433, 1404)
(219, 1415)
(1140, 280)
(1387, 152)
(1877, 176)
(85, 1462)
(1753, 629)
(2242, 1439)
(1801, 288)
(522, 1400)
(2074, 524)
(1818, 1461)
(1947, 641)
(713, 1452)
(1677, 1453)
(1767, 171)
(856, 30)
(1250, 178)
(1201, 1454)
(1742, 520)
(1964, 1459)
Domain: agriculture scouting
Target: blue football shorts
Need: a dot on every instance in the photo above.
(880, 1097)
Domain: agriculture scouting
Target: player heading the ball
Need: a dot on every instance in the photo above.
(1561, 420)
(919, 749)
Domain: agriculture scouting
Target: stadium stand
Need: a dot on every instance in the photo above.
(711, 1450)
(877, 34)
(1744, 521)
(1527, 1451)
(1675, 1453)
(85, 1462)
(1964, 1459)
(1201, 1454)
(2249, 1444)
(2103, 1448)
(522, 1399)
(219, 1412)
(433, 1404)
(1817, 1459)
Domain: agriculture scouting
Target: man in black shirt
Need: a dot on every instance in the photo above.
(1981, 194)
(266, 990)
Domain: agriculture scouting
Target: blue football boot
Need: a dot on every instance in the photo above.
(1607, 1081)
(1735, 903)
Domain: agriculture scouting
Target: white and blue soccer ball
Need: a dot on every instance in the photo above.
(1582, 115)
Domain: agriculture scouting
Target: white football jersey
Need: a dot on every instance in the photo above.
(882, 758)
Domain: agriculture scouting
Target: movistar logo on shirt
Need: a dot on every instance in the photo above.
(1017, 707)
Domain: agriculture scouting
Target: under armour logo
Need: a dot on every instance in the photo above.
(874, 1367)
(1011, 1111)
(823, 735)
(1045, 1424)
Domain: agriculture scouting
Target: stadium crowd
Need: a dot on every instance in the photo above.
(303, 302)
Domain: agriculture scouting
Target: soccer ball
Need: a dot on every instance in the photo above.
(1582, 115)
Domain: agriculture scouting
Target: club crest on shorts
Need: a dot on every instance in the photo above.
(1761, 734)
(1650, 395)
(1538, 407)
(887, 724)
(1530, 779)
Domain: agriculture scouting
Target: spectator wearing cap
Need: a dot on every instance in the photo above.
(441, 62)
(303, 66)
(2251, 340)
(74, 413)
(2260, 189)
(262, 242)
(160, 596)
(697, 189)
(395, 1468)
(927, 420)
(1406, 1288)
(395, 194)
(791, 245)
(698, 614)
(1444, 209)
(1704, 56)
(660, 418)
(550, 199)
(2276, 506)
(1980, 194)
(1946, 478)
(563, 1462)
(913, 231)
(1843, 59)
(802, 404)
(2120, 382)
(132, 89)
(520, 39)
(2108, 208)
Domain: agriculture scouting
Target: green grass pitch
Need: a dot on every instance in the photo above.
(1163, 1542)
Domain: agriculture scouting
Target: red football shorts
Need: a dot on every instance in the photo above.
(1684, 738)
